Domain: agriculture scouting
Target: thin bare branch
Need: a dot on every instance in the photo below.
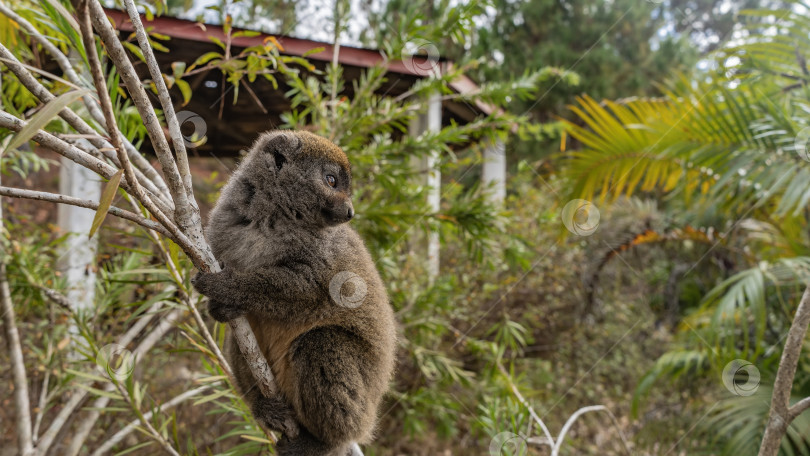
(64, 199)
(522, 400)
(175, 401)
(89, 421)
(30, 83)
(109, 117)
(108, 152)
(94, 164)
(156, 436)
(183, 212)
(780, 416)
(90, 103)
(165, 101)
(21, 405)
(46, 440)
(798, 408)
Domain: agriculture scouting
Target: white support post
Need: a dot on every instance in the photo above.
(493, 174)
(428, 167)
(77, 261)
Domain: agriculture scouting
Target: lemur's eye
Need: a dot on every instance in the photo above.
(331, 180)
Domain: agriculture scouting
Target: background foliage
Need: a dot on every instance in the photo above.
(686, 122)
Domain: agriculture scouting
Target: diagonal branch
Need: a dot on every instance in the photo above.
(23, 409)
(30, 83)
(798, 408)
(186, 216)
(118, 436)
(183, 212)
(109, 117)
(92, 163)
(64, 199)
(780, 415)
(90, 103)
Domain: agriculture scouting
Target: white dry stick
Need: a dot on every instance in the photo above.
(63, 199)
(781, 414)
(184, 213)
(45, 441)
(90, 103)
(20, 382)
(168, 109)
(76, 122)
(522, 400)
(89, 422)
(94, 164)
(118, 436)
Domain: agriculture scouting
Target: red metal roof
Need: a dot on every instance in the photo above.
(347, 55)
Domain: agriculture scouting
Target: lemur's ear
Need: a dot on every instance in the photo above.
(281, 144)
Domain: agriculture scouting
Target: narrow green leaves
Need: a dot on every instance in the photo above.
(44, 116)
(106, 201)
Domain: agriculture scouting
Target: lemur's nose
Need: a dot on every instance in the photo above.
(350, 213)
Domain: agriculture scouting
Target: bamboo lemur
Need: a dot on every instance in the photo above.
(280, 230)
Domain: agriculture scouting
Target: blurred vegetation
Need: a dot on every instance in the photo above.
(688, 127)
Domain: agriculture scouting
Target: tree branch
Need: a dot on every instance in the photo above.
(92, 107)
(39, 91)
(185, 215)
(24, 436)
(798, 408)
(80, 435)
(130, 78)
(118, 436)
(94, 164)
(780, 415)
(109, 117)
(64, 199)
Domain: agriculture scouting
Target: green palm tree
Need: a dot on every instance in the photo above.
(726, 148)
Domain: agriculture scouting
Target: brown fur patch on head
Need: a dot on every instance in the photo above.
(318, 147)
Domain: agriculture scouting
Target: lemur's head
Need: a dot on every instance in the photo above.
(300, 176)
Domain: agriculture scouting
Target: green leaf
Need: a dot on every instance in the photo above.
(45, 115)
(185, 89)
(247, 33)
(178, 68)
(100, 392)
(212, 397)
(95, 378)
(205, 58)
(106, 201)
